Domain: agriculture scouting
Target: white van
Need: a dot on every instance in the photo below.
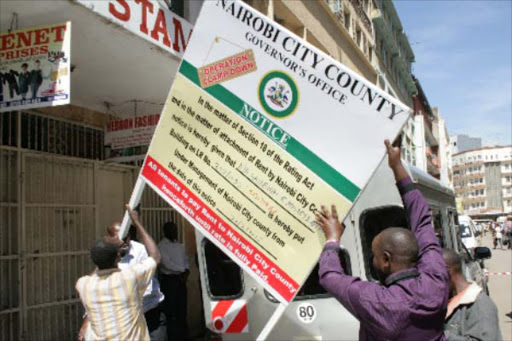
(314, 314)
(468, 232)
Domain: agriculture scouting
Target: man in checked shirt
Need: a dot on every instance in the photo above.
(410, 301)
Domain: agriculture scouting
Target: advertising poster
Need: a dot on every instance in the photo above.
(259, 130)
(127, 139)
(35, 67)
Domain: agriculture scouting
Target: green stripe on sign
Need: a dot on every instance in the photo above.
(309, 159)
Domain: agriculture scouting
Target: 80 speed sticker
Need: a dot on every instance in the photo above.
(306, 313)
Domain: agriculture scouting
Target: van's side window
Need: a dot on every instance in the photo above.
(312, 288)
(452, 222)
(224, 276)
(438, 226)
(372, 222)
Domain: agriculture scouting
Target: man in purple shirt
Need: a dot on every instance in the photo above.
(410, 303)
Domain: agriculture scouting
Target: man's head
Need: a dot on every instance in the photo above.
(105, 255)
(454, 263)
(24, 66)
(394, 249)
(170, 231)
(509, 218)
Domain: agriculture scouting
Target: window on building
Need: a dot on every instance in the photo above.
(359, 36)
(346, 19)
(224, 276)
(176, 6)
(370, 53)
(366, 6)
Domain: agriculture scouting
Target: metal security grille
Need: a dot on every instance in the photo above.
(60, 137)
(53, 205)
(155, 212)
(10, 291)
(59, 225)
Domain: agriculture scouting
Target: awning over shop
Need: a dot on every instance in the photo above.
(112, 66)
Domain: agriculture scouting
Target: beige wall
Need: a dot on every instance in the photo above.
(76, 114)
(315, 22)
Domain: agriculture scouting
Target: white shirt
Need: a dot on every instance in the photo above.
(136, 254)
(498, 232)
(174, 260)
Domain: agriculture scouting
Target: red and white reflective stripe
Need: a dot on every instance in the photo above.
(230, 317)
(498, 273)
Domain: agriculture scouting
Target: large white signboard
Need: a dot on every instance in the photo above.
(260, 128)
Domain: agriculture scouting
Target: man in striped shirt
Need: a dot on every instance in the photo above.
(112, 298)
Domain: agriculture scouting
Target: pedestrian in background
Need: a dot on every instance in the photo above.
(498, 235)
(410, 303)
(471, 314)
(508, 231)
(174, 271)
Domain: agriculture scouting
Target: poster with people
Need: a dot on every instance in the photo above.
(35, 67)
(259, 130)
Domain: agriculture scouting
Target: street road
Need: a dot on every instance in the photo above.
(500, 286)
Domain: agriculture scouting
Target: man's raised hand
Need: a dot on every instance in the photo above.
(330, 224)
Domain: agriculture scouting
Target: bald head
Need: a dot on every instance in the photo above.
(453, 261)
(112, 235)
(400, 243)
(113, 229)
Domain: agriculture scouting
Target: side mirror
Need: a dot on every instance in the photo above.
(482, 252)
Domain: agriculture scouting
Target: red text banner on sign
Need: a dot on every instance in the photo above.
(217, 229)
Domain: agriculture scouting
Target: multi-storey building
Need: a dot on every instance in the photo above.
(394, 52)
(424, 146)
(444, 155)
(482, 180)
(462, 142)
(342, 29)
(394, 57)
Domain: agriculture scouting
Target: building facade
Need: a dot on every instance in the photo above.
(394, 53)
(461, 143)
(482, 180)
(425, 145)
(58, 193)
(444, 155)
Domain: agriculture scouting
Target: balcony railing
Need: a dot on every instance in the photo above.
(361, 13)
